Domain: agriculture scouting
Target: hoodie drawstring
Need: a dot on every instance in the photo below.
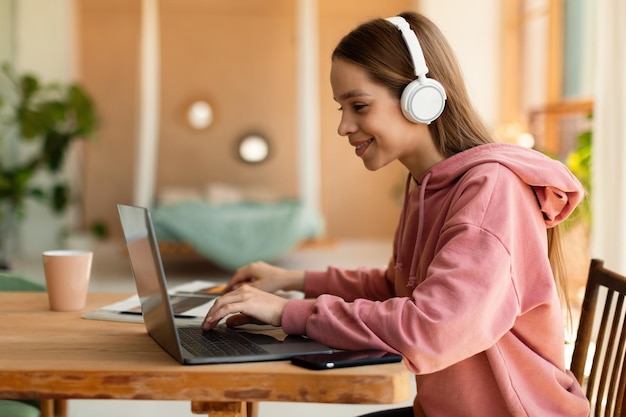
(403, 215)
(420, 228)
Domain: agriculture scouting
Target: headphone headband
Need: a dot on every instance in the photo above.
(412, 43)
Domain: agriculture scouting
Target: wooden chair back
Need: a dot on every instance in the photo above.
(598, 358)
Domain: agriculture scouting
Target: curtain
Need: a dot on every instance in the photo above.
(608, 191)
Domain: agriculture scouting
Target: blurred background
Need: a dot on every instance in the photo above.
(218, 115)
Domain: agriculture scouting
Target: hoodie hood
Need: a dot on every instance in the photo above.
(558, 191)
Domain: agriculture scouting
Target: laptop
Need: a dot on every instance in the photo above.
(189, 344)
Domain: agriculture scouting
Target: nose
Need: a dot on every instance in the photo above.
(346, 126)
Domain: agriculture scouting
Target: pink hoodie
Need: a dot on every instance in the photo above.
(468, 297)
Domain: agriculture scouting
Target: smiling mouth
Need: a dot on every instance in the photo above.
(364, 144)
(361, 148)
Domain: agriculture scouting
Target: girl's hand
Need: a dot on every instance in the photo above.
(251, 305)
(267, 278)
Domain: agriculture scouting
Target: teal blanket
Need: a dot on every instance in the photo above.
(235, 234)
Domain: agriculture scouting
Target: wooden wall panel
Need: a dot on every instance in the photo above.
(240, 58)
(109, 68)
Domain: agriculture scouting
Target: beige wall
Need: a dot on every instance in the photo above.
(241, 56)
(108, 51)
(6, 30)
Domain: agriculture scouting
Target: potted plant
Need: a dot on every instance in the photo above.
(38, 123)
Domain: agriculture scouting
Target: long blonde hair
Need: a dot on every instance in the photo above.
(557, 262)
(378, 48)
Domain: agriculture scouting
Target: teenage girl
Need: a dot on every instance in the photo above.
(470, 296)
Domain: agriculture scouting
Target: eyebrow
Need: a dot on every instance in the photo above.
(352, 93)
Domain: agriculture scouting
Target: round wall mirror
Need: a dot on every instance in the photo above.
(200, 115)
(253, 149)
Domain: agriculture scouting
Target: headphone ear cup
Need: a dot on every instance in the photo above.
(423, 101)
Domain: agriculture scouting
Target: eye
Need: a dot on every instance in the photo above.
(358, 106)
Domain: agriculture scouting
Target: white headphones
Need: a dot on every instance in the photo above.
(423, 99)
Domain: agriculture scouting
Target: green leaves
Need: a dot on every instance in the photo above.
(49, 117)
(579, 162)
(14, 185)
(60, 197)
(55, 145)
(84, 112)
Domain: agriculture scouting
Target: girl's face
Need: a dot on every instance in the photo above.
(372, 120)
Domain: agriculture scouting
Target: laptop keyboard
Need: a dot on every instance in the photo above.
(221, 341)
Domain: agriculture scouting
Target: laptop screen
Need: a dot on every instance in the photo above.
(149, 277)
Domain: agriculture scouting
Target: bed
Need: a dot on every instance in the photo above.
(232, 228)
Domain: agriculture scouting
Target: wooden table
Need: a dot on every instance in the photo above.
(45, 354)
